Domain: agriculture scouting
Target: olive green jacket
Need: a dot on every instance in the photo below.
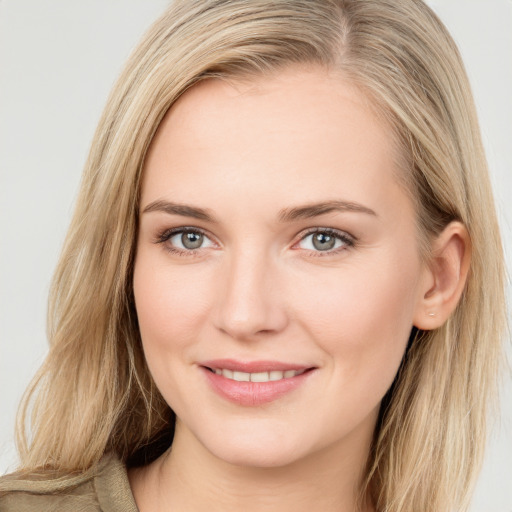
(105, 490)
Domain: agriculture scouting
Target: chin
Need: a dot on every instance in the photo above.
(256, 451)
(256, 457)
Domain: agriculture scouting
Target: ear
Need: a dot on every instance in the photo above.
(444, 277)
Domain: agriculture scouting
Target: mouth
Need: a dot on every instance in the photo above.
(270, 376)
(254, 383)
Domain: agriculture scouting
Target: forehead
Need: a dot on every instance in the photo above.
(309, 100)
(305, 132)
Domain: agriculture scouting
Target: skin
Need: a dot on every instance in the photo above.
(258, 289)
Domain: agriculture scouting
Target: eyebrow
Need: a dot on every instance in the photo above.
(315, 209)
(180, 209)
(286, 215)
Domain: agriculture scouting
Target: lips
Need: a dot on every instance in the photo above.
(258, 376)
(253, 383)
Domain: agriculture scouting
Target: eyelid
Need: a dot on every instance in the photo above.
(348, 240)
(167, 234)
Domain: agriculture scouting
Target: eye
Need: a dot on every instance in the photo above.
(325, 240)
(188, 240)
(183, 240)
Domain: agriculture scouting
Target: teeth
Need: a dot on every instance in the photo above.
(241, 376)
(259, 376)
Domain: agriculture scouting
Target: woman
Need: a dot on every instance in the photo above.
(285, 262)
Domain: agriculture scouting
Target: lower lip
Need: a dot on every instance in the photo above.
(253, 393)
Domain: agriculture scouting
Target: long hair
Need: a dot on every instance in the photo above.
(94, 393)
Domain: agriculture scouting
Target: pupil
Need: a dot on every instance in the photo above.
(323, 242)
(191, 240)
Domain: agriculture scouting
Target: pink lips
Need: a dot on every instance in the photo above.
(253, 393)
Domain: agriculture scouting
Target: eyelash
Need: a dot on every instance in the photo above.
(348, 240)
(166, 235)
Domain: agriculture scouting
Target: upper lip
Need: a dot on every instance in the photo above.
(252, 366)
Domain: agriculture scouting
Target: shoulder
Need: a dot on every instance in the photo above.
(105, 488)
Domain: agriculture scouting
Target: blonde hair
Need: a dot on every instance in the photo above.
(94, 393)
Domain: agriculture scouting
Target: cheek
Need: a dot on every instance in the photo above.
(170, 307)
(357, 299)
(169, 302)
(361, 316)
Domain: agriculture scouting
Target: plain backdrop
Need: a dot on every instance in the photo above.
(58, 60)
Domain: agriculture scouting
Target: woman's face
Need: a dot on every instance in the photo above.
(277, 274)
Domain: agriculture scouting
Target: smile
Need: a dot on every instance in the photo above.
(258, 376)
(254, 383)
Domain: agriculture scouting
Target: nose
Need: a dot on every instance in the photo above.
(250, 302)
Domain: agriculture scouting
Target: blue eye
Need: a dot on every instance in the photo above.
(325, 241)
(185, 240)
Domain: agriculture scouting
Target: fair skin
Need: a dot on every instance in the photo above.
(252, 275)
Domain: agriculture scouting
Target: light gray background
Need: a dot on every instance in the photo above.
(58, 60)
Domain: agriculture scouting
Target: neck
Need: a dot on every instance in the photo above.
(189, 477)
